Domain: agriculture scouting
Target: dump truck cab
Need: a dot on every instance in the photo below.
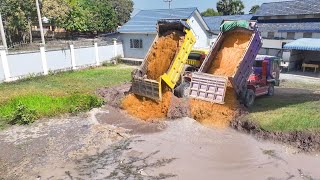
(265, 75)
(196, 57)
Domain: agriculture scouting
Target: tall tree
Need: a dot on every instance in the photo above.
(18, 16)
(210, 12)
(254, 9)
(123, 9)
(55, 10)
(230, 7)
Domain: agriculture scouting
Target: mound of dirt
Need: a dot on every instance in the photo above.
(179, 107)
(306, 141)
(215, 115)
(162, 54)
(113, 95)
(146, 109)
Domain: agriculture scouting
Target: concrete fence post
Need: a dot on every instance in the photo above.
(5, 65)
(73, 57)
(115, 47)
(43, 59)
(96, 50)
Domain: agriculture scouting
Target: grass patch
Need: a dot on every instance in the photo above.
(291, 109)
(48, 96)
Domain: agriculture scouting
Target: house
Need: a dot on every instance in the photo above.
(139, 32)
(291, 29)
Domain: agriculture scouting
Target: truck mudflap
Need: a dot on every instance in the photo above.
(208, 87)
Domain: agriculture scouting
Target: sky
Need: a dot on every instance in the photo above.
(200, 4)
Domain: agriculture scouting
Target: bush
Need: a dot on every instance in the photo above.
(22, 115)
(84, 102)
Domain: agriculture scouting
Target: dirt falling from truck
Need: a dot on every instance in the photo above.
(162, 53)
(159, 60)
(224, 64)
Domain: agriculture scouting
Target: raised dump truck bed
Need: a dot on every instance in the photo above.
(152, 88)
(212, 88)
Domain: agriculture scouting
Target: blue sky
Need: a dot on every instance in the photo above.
(200, 4)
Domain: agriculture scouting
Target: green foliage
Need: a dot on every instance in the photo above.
(254, 9)
(22, 115)
(230, 7)
(210, 12)
(18, 15)
(26, 109)
(123, 9)
(64, 92)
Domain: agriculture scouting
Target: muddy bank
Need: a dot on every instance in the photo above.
(306, 141)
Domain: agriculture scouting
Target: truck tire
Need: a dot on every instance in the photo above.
(249, 98)
(271, 90)
(183, 90)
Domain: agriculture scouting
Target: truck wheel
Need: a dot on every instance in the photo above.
(271, 90)
(183, 90)
(249, 99)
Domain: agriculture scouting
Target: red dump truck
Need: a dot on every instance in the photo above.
(212, 88)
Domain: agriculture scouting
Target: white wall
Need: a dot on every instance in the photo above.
(201, 34)
(147, 40)
(23, 64)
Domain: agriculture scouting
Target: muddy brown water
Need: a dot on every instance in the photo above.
(108, 144)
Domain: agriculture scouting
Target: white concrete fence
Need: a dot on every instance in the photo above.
(19, 65)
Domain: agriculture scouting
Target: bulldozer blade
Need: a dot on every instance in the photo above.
(147, 88)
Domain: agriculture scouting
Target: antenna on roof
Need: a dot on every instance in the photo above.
(168, 1)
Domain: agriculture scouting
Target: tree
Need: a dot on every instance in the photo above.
(55, 10)
(17, 16)
(254, 9)
(210, 12)
(90, 15)
(123, 9)
(230, 7)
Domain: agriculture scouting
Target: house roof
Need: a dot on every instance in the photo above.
(290, 27)
(306, 44)
(293, 7)
(214, 22)
(146, 20)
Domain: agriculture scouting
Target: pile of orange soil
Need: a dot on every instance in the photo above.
(159, 60)
(224, 64)
(146, 109)
(230, 54)
(162, 54)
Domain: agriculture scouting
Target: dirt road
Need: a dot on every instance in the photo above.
(106, 144)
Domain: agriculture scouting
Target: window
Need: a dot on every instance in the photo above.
(135, 43)
(307, 35)
(270, 35)
(290, 35)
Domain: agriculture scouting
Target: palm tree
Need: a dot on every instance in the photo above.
(254, 9)
(230, 7)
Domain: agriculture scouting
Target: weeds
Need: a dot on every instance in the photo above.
(22, 115)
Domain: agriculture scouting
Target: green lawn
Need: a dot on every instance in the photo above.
(60, 93)
(295, 106)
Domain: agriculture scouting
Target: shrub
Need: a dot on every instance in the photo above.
(22, 115)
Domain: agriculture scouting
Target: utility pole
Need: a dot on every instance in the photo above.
(3, 36)
(40, 23)
(168, 1)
